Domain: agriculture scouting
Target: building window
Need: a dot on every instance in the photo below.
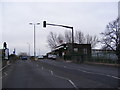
(85, 50)
(76, 49)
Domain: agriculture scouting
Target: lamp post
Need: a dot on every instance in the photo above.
(34, 24)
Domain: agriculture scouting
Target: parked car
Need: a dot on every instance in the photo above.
(40, 57)
(24, 58)
(54, 57)
(51, 56)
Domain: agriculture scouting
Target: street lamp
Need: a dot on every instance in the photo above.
(34, 24)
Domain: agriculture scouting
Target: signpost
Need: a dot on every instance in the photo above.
(5, 51)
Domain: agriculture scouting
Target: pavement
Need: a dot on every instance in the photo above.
(56, 74)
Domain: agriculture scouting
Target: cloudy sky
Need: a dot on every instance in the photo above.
(88, 17)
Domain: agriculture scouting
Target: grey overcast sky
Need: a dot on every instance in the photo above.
(88, 17)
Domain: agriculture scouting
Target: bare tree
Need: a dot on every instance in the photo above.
(55, 40)
(68, 37)
(52, 40)
(60, 39)
(111, 37)
(93, 40)
(79, 37)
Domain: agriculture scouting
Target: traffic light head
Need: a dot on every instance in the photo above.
(65, 46)
(4, 45)
(44, 24)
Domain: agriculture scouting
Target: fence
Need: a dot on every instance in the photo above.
(103, 56)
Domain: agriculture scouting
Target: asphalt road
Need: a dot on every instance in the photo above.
(56, 74)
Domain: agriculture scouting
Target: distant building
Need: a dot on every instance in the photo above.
(65, 50)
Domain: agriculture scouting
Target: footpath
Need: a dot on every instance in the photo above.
(105, 64)
(92, 63)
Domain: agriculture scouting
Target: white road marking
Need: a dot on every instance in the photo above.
(3, 68)
(51, 72)
(115, 77)
(37, 65)
(100, 74)
(5, 73)
(42, 67)
(73, 84)
(64, 66)
(118, 87)
(4, 76)
(70, 81)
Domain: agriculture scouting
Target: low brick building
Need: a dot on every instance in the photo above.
(79, 52)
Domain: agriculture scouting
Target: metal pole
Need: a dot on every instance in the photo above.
(34, 39)
(72, 40)
(34, 44)
(66, 27)
(29, 49)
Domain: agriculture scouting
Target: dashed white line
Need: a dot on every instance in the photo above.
(51, 72)
(5, 73)
(64, 66)
(100, 74)
(42, 67)
(113, 76)
(37, 65)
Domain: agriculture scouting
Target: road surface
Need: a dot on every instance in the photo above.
(58, 74)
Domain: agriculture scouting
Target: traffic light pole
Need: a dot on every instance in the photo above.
(44, 25)
(34, 44)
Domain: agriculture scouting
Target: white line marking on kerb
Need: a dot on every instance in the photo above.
(5, 73)
(3, 68)
(51, 72)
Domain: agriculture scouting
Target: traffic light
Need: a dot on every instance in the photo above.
(4, 45)
(44, 23)
(65, 47)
